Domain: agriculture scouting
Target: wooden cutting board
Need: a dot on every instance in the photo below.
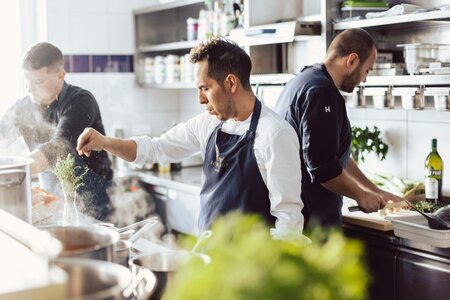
(373, 220)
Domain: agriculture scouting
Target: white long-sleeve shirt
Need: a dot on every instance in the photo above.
(277, 155)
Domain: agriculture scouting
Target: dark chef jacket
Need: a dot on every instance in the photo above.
(313, 105)
(54, 130)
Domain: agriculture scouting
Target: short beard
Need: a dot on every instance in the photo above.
(351, 81)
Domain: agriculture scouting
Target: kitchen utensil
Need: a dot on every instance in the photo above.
(86, 242)
(382, 97)
(418, 56)
(148, 223)
(204, 235)
(122, 252)
(15, 186)
(412, 98)
(388, 205)
(434, 221)
(163, 264)
(94, 279)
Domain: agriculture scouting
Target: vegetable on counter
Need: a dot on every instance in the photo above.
(247, 264)
(409, 189)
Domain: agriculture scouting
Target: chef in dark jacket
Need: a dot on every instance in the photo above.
(313, 105)
(50, 119)
(250, 154)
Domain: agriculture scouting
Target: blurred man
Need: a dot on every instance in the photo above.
(313, 105)
(51, 117)
(250, 154)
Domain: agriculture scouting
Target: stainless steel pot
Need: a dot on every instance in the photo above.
(86, 242)
(93, 279)
(122, 252)
(163, 264)
(15, 186)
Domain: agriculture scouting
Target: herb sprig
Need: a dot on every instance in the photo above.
(65, 170)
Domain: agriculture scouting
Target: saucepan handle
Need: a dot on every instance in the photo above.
(12, 177)
(144, 275)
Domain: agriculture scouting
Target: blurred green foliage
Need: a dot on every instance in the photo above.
(248, 264)
(365, 141)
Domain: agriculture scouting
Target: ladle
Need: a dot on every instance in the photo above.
(204, 235)
(434, 221)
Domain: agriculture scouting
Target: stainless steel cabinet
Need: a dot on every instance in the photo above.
(422, 276)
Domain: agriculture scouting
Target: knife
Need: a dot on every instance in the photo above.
(387, 206)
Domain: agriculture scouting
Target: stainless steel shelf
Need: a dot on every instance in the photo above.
(169, 46)
(379, 22)
(173, 85)
(191, 44)
(302, 38)
(407, 80)
(169, 5)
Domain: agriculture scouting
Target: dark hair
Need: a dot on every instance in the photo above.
(224, 57)
(43, 55)
(355, 40)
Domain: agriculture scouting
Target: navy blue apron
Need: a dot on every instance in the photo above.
(232, 178)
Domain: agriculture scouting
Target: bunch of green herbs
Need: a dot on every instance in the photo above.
(70, 175)
(426, 206)
(365, 141)
(246, 263)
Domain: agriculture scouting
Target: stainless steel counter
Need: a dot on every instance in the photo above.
(176, 195)
(186, 180)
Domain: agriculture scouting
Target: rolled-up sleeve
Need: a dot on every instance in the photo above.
(319, 129)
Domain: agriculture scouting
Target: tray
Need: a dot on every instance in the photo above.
(415, 228)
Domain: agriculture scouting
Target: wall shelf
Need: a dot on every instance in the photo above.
(407, 80)
(169, 46)
(436, 15)
(165, 6)
(172, 85)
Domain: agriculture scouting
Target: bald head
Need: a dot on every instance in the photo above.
(353, 40)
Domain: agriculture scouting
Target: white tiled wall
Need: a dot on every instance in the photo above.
(106, 27)
(408, 134)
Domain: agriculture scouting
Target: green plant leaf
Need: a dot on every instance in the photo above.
(365, 141)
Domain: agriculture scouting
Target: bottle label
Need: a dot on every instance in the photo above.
(429, 172)
(431, 188)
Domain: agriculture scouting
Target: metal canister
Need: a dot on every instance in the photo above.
(15, 186)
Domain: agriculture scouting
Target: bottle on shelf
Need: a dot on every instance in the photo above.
(434, 169)
(205, 21)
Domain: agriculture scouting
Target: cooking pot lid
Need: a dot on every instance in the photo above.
(7, 162)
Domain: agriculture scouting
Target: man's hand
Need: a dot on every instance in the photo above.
(90, 140)
(370, 201)
(374, 201)
(389, 196)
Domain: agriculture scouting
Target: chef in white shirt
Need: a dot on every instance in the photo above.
(251, 162)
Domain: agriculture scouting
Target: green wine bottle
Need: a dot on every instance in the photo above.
(434, 169)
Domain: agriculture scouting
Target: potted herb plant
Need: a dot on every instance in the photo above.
(246, 263)
(365, 141)
(71, 178)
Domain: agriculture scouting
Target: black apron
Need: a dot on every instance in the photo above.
(232, 178)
